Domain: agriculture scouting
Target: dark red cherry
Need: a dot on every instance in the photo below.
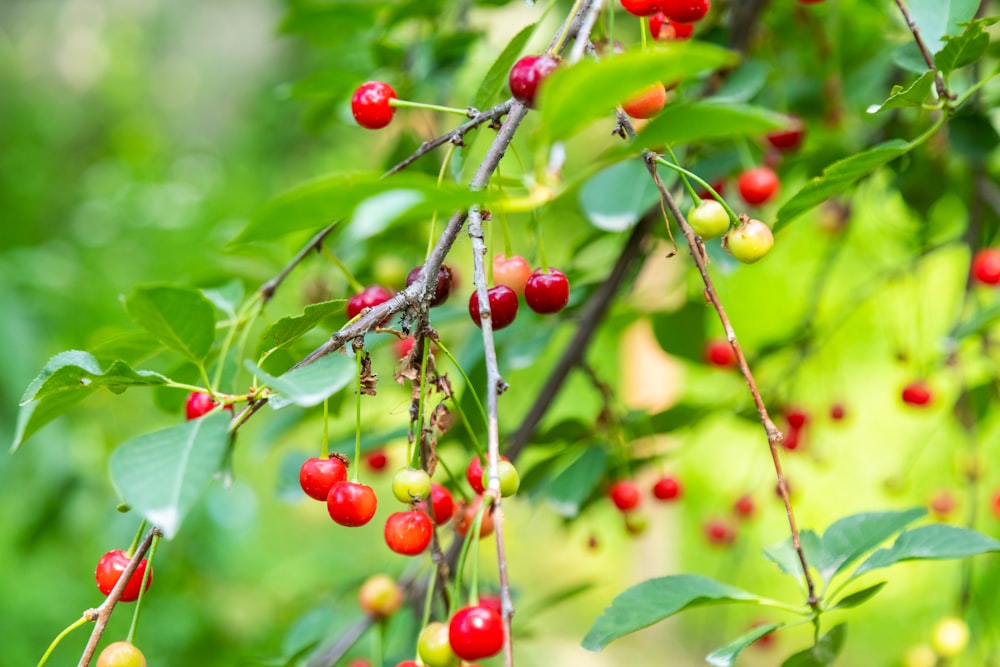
(503, 306)
(547, 293)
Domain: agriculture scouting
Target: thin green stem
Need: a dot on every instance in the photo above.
(784, 606)
(642, 35)
(468, 383)
(83, 620)
(408, 104)
(476, 532)
(700, 181)
(457, 585)
(146, 574)
(138, 538)
(564, 35)
(458, 486)
(684, 179)
(429, 598)
(378, 635)
(204, 378)
(351, 280)
(241, 346)
(239, 324)
(468, 427)
(324, 451)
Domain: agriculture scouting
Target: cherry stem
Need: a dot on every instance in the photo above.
(702, 182)
(685, 179)
(324, 451)
(351, 280)
(408, 104)
(643, 23)
(429, 598)
(378, 635)
(357, 420)
(477, 531)
(83, 620)
(470, 388)
(146, 574)
(238, 325)
(136, 539)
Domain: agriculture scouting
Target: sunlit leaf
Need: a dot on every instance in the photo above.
(937, 18)
(656, 599)
(849, 538)
(934, 542)
(180, 318)
(75, 370)
(309, 385)
(911, 96)
(786, 557)
(726, 656)
(37, 414)
(859, 597)
(289, 328)
(161, 475)
(823, 653)
(696, 122)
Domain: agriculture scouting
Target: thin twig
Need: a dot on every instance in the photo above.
(774, 436)
(939, 85)
(102, 614)
(268, 289)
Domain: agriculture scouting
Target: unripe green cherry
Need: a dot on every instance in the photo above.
(411, 484)
(121, 654)
(510, 480)
(708, 219)
(380, 596)
(750, 241)
(434, 646)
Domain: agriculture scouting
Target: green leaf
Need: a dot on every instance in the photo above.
(309, 385)
(743, 83)
(838, 177)
(697, 122)
(823, 653)
(227, 298)
(38, 413)
(980, 320)
(656, 599)
(965, 49)
(180, 318)
(161, 475)
(568, 489)
(913, 96)
(615, 198)
(681, 333)
(497, 75)
(368, 201)
(726, 656)
(859, 597)
(289, 328)
(568, 102)
(937, 18)
(847, 539)
(75, 370)
(935, 542)
(786, 558)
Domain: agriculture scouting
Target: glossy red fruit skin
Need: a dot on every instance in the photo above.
(200, 404)
(351, 504)
(503, 306)
(720, 353)
(109, 571)
(317, 476)
(758, 185)
(719, 533)
(664, 30)
(917, 393)
(367, 298)
(685, 11)
(788, 138)
(625, 495)
(986, 267)
(443, 287)
(474, 474)
(547, 293)
(491, 602)
(370, 104)
(527, 74)
(668, 488)
(475, 632)
(442, 503)
(409, 532)
(641, 7)
(511, 271)
(648, 103)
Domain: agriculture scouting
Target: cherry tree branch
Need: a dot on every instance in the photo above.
(774, 436)
(102, 614)
(942, 90)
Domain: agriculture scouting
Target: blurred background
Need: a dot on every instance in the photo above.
(137, 139)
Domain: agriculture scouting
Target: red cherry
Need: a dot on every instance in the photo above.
(941, 504)
(370, 104)
(664, 30)
(685, 11)
(109, 571)
(475, 632)
(466, 515)
(351, 503)
(625, 495)
(403, 346)
(443, 287)
(408, 663)
(511, 271)
(527, 74)
(719, 533)
(317, 476)
(668, 487)
(503, 306)
(474, 473)
(744, 506)
(409, 532)
(376, 460)
(986, 266)
(547, 293)
(492, 602)
(792, 439)
(837, 411)
(442, 503)
(796, 417)
(641, 7)
(720, 353)
(757, 185)
(200, 404)
(790, 137)
(917, 393)
(648, 103)
(367, 298)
